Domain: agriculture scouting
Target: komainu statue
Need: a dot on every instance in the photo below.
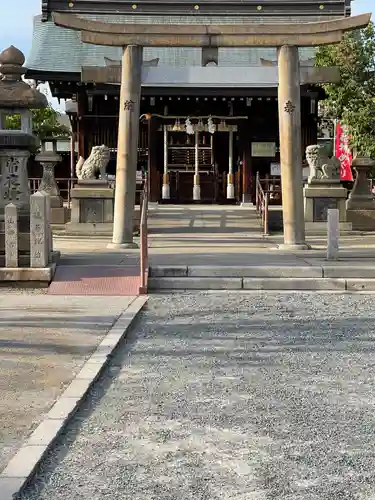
(321, 166)
(96, 162)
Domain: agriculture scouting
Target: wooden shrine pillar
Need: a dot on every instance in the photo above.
(246, 170)
(153, 174)
(73, 140)
(127, 147)
(289, 97)
(81, 108)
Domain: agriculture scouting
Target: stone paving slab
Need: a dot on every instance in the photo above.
(44, 341)
(99, 280)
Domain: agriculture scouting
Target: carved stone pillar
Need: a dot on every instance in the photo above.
(14, 183)
(127, 148)
(289, 97)
(14, 188)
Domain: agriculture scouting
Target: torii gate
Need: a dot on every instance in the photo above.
(286, 37)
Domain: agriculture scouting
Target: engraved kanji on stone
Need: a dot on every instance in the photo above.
(37, 213)
(11, 235)
(39, 248)
(129, 105)
(38, 240)
(289, 107)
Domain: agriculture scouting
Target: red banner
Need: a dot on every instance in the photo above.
(343, 153)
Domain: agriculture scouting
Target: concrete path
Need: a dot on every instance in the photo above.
(44, 341)
(229, 397)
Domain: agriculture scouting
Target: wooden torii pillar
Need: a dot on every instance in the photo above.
(286, 37)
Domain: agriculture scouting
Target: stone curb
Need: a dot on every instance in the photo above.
(315, 270)
(187, 284)
(21, 468)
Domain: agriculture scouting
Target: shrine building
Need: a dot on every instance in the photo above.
(213, 110)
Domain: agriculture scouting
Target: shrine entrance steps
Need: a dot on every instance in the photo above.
(222, 248)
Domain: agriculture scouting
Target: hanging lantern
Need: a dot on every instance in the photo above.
(189, 127)
(177, 126)
(222, 126)
(200, 126)
(211, 125)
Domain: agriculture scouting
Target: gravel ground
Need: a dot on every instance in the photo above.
(230, 397)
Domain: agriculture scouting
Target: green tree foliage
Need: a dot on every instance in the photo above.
(46, 123)
(353, 99)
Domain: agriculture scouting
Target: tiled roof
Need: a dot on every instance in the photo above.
(56, 49)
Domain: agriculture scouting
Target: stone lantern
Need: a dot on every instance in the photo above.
(16, 98)
(49, 158)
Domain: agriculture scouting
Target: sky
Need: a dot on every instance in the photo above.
(16, 21)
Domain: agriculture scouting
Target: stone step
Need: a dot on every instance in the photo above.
(327, 270)
(274, 277)
(275, 284)
(236, 271)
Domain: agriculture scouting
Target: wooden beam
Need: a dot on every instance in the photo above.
(206, 7)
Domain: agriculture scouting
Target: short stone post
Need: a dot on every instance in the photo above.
(11, 236)
(39, 256)
(289, 97)
(49, 224)
(333, 229)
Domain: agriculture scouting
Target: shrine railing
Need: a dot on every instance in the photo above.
(144, 238)
(262, 198)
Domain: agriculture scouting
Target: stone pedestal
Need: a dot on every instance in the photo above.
(92, 208)
(48, 160)
(320, 196)
(361, 203)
